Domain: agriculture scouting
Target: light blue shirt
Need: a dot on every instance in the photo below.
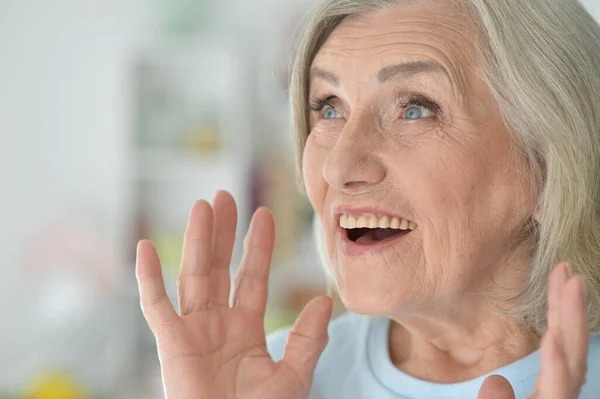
(356, 365)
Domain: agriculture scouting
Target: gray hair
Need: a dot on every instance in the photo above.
(541, 61)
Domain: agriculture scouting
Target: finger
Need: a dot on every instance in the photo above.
(496, 387)
(156, 306)
(555, 372)
(308, 338)
(251, 283)
(558, 280)
(574, 329)
(225, 222)
(194, 276)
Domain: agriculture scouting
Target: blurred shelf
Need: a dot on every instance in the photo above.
(176, 164)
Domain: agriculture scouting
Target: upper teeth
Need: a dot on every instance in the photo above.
(372, 222)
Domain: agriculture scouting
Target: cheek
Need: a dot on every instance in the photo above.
(467, 196)
(313, 159)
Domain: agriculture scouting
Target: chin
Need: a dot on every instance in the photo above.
(372, 297)
(367, 285)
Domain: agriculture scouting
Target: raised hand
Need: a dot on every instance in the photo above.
(564, 347)
(211, 349)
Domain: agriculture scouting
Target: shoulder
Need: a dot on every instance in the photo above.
(342, 370)
(591, 389)
(345, 332)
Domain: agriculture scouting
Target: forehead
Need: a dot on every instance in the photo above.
(422, 31)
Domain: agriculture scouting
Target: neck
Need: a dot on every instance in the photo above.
(453, 346)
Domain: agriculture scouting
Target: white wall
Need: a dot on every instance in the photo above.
(593, 7)
(64, 116)
(62, 75)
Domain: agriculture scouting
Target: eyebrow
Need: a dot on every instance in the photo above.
(402, 71)
(316, 72)
(410, 69)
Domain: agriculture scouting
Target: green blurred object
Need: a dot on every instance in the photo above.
(184, 16)
(168, 246)
(278, 319)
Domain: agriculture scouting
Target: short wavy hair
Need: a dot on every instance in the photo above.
(541, 62)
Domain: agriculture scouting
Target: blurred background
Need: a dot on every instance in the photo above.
(115, 116)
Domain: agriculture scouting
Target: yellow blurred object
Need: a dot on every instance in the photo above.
(55, 385)
(204, 139)
(168, 246)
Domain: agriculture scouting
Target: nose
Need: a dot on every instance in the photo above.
(353, 166)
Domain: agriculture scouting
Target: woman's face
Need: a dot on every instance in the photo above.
(401, 126)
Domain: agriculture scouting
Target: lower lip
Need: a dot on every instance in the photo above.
(351, 248)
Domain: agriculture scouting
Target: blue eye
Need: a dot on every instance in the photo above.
(331, 113)
(413, 113)
(418, 111)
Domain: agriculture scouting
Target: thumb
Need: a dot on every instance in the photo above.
(496, 387)
(308, 338)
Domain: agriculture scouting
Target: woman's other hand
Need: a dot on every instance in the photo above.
(564, 347)
(214, 350)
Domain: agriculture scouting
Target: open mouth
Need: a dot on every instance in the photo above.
(366, 236)
(370, 229)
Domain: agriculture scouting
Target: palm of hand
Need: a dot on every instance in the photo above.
(215, 350)
(228, 348)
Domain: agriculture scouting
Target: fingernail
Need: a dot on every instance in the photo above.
(568, 271)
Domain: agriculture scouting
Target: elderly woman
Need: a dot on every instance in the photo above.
(451, 151)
